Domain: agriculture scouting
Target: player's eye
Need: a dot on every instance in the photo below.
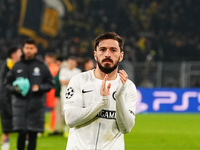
(102, 49)
(114, 50)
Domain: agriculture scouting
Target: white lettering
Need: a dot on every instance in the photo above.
(112, 115)
(185, 101)
(199, 101)
(166, 97)
(106, 114)
(140, 106)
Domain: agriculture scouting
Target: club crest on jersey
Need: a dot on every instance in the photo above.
(36, 71)
(69, 93)
(113, 95)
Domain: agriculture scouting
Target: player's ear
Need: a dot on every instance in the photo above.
(95, 55)
(121, 56)
(36, 49)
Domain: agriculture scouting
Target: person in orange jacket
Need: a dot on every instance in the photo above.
(51, 100)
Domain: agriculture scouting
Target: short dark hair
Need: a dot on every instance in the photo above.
(30, 41)
(86, 60)
(72, 58)
(59, 58)
(51, 54)
(12, 50)
(109, 35)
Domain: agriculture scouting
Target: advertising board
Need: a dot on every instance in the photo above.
(164, 100)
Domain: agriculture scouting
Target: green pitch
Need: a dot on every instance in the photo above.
(165, 132)
(151, 132)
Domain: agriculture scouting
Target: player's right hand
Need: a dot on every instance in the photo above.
(105, 91)
(17, 89)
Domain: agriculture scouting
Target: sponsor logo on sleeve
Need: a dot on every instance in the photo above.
(132, 112)
(69, 102)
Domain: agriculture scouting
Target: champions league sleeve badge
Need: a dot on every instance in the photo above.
(69, 93)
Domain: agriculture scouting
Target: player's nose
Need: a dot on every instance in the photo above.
(107, 54)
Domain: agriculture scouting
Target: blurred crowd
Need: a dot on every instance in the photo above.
(38, 89)
(160, 29)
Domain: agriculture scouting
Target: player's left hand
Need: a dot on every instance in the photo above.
(35, 88)
(123, 76)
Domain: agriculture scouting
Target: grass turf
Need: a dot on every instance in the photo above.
(151, 132)
(165, 132)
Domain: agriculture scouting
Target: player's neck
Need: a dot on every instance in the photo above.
(100, 75)
(29, 57)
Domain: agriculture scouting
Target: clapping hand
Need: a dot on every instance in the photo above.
(123, 76)
(105, 90)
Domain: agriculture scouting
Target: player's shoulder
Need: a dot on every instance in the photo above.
(40, 61)
(83, 75)
(18, 65)
(130, 83)
(77, 70)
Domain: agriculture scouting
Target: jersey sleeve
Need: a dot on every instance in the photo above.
(74, 112)
(125, 106)
(73, 95)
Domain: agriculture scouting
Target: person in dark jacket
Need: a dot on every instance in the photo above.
(28, 105)
(14, 54)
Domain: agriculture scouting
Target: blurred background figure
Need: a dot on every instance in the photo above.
(66, 73)
(58, 108)
(28, 81)
(51, 100)
(14, 54)
(88, 64)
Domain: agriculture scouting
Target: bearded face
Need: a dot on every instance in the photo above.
(108, 55)
(107, 67)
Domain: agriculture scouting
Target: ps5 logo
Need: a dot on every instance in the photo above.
(170, 97)
(178, 101)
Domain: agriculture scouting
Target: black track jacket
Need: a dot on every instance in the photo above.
(29, 111)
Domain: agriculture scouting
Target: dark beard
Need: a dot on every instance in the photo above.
(107, 69)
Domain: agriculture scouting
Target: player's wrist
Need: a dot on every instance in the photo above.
(120, 90)
(104, 99)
